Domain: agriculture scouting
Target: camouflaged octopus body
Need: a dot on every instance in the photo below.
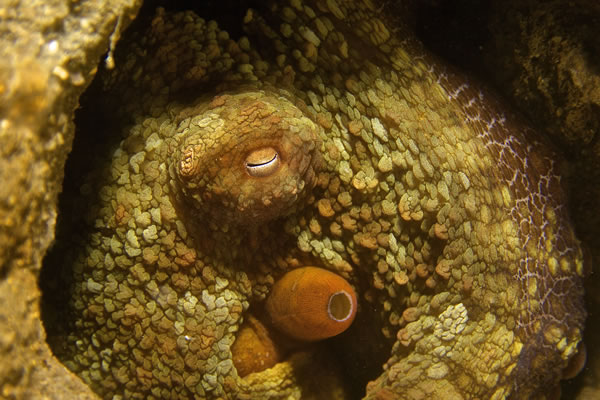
(446, 214)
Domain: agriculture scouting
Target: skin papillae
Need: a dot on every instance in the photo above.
(443, 211)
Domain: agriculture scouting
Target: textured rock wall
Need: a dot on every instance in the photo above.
(49, 52)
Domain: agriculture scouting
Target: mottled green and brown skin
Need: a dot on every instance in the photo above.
(445, 213)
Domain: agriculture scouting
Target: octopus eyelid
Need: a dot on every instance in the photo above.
(340, 306)
(263, 162)
(249, 164)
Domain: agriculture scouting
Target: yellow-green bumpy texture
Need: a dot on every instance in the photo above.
(444, 212)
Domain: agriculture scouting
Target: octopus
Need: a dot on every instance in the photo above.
(325, 137)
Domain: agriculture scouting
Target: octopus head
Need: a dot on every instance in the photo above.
(245, 158)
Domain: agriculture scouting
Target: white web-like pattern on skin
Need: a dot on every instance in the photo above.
(550, 296)
(534, 197)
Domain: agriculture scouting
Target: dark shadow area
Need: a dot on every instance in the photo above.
(455, 30)
(229, 14)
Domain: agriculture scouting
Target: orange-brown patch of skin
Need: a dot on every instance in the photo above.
(254, 349)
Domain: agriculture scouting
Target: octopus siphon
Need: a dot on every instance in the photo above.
(325, 136)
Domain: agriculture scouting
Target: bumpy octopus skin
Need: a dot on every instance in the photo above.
(324, 137)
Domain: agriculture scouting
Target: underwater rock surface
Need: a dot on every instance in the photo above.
(49, 53)
(444, 212)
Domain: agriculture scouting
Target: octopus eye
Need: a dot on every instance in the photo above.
(263, 162)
